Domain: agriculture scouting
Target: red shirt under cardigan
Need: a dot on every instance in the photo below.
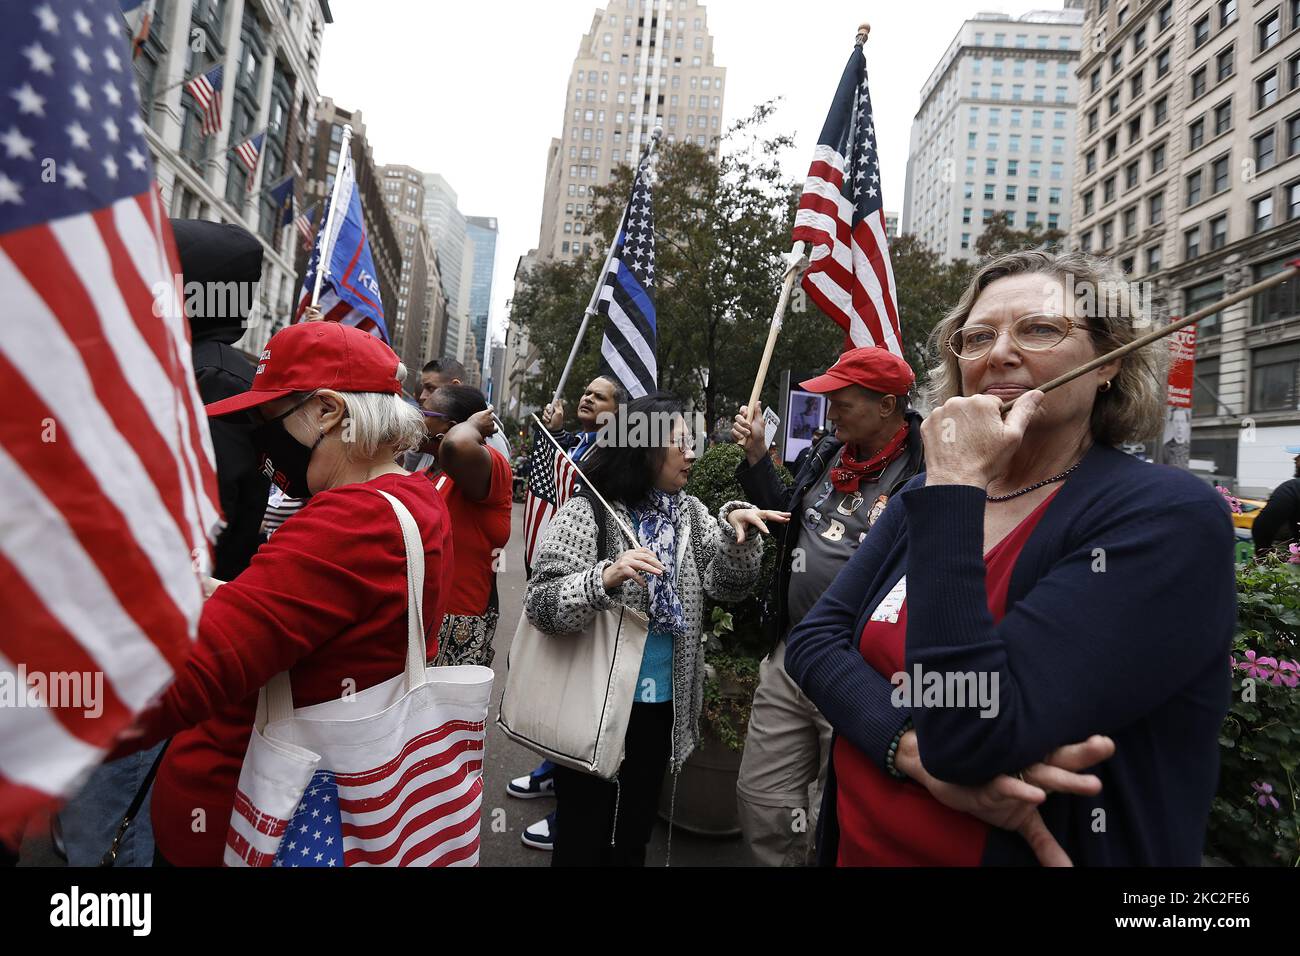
(325, 598)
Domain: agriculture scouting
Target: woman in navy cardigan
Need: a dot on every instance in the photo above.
(1034, 606)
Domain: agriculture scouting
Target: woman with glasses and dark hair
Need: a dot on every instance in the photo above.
(475, 481)
(682, 553)
(1027, 659)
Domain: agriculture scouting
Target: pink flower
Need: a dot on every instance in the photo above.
(1233, 502)
(1259, 668)
(1264, 795)
(1295, 554)
(1288, 672)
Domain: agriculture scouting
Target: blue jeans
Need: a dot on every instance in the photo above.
(91, 818)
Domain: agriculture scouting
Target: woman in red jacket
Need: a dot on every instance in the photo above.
(325, 598)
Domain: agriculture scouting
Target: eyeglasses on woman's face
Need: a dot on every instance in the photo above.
(1036, 332)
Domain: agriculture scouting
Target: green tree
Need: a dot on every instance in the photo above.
(999, 237)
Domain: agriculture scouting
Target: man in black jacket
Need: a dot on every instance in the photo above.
(1279, 521)
(225, 258)
(837, 495)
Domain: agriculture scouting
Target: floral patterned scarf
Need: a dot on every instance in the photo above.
(657, 529)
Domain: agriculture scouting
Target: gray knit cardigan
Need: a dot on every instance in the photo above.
(566, 591)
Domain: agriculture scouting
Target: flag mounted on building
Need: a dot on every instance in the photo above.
(350, 289)
(206, 90)
(841, 217)
(106, 462)
(249, 152)
(139, 19)
(303, 223)
(282, 196)
(628, 349)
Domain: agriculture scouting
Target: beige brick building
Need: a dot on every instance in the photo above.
(1189, 175)
(643, 63)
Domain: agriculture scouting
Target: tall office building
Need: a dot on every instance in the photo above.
(643, 63)
(415, 311)
(385, 244)
(995, 132)
(479, 267)
(1189, 176)
(446, 226)
(271, 49)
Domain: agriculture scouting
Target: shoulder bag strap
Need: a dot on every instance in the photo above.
(110, 858)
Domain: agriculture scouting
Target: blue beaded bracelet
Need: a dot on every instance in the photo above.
(893, 752)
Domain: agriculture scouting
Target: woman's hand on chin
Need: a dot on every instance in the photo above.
(968, 442)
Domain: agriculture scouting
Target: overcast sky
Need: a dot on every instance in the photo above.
(477, 92)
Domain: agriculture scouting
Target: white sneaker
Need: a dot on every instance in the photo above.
(541, 835)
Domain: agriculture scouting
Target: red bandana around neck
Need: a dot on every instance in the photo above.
(849, 473)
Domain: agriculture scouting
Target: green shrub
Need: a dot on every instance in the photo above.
(1255, 819)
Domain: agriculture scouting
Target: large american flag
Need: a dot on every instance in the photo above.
(551, 478)
(420, 809)
(841, 216)
(627, 352)
(105, 457)
(206, 90)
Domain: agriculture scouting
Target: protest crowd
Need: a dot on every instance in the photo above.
(959, 528)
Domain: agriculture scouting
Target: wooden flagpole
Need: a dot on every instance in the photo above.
(322, 264)
(1292, 270)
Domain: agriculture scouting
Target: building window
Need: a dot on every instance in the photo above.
(1265, 151)
(1269, 31)
(1089, 202)
(1266, 90)
(1157, 158)
(1165, 17)
(1196, 297)
(1223, 117)
(1130, 222)
(1192, 243)
(1198, 83)
(1227, 12)
(1107, 234)
(1196, 134)
(1293, 72)
(1108, 190)
(1094, 81)
(1219, 175)
(1135, 86)
(1218, 232)
(1205, 388)
(1281, 301)
(1131, 174)
(1093, 121)
(1162, 63)
(1160, 111)
(1135, 129)
(1112, 104)
(1139, 39)
(1153, 259)
(1293, 200)
(1224, 64)
(1200, 32)
(1193, 188)
(1261, 213)
(1275, 378)
(1090, 162)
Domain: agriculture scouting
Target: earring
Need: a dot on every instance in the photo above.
(1104, 388)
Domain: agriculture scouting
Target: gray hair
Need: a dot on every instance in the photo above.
(1132, 410)
(381, 424)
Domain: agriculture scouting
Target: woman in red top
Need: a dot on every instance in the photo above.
(325, 598)
(475, 481)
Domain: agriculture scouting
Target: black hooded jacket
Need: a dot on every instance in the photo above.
(212, 252)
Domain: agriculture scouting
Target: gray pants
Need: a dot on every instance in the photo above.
(783, 770)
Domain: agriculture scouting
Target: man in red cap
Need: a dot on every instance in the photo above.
(837, 495)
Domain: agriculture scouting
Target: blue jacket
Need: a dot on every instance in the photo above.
(1138, 651)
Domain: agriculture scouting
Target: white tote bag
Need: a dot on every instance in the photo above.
(389, 776)
(569, 697)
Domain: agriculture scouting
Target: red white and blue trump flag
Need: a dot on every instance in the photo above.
(841, 216)
(350, 290)
(105, 457)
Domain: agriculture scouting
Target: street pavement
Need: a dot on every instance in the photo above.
(504, 760)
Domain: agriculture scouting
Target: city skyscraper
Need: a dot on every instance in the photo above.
(446, 227)
(995, 131)
(420, 307)
(642, 64)
(1189, 177)
(480, 264)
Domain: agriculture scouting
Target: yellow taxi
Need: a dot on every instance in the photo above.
(1250, 508)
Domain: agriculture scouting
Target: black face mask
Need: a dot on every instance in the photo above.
(284, 459)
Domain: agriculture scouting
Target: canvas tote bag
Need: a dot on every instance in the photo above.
(389, 776)
(569, 697)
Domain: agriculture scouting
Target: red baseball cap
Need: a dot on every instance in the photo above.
(874, 368)
(312, 355)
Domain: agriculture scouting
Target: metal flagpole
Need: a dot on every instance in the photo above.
(600, 283)
(345, 156)
(1292, 270)
(797, 261)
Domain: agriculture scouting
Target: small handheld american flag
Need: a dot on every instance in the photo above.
(551, 478)
(841, 216)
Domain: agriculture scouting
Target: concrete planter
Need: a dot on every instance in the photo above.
(706, 791)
